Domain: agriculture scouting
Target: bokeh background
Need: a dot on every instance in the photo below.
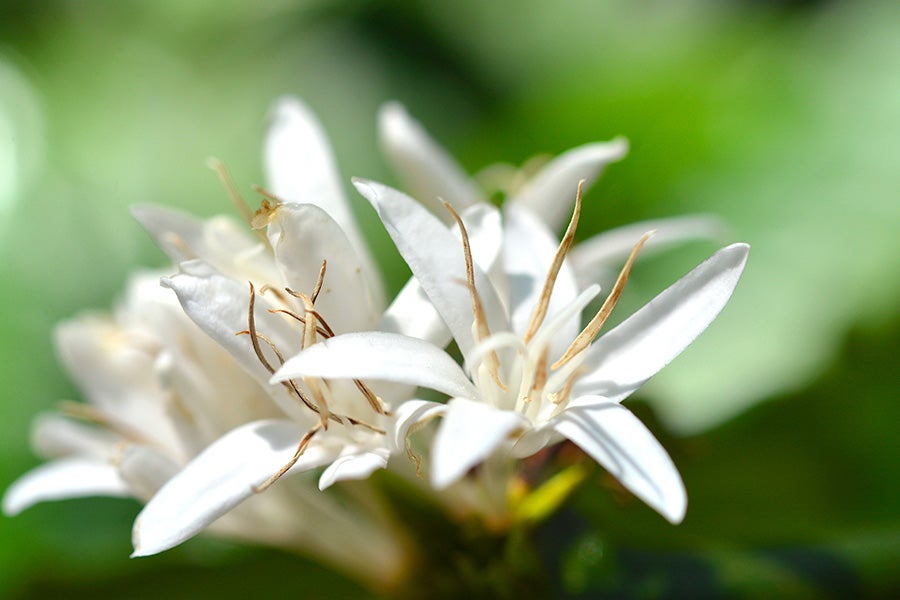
(781, 117)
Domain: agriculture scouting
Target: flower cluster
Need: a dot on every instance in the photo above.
(272, 352)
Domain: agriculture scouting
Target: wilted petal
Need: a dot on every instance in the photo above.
(599, 258)
(379, 355)
(622, 360)
(219, 478)
(64, 478)
(436, 259)
(427, 170)
(302, 236)
(551, 193)
(616, 439)
(354, 466)
(469, 433)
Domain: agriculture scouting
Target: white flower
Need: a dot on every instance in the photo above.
(167, 397)
(530, 377)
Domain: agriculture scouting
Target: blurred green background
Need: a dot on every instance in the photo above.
(781, 117)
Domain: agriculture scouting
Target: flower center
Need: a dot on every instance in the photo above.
(533, 385)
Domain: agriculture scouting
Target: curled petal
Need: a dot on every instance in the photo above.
(74, 477)
(469, 432)
(551, 193)
(623, 359)
(304, 235)
(615, 438)
(357, 465)
(427, 170)
(220, 478)
(379, 355)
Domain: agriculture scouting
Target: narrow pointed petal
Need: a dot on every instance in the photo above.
(615, 438)
(379, 355)
(218, 305)
(302, 236)
(53, 435)
(427, 170)
(436, 259)
(354, 466)
(528, 251)
(176, 233)
(599, 258)
(623, 359)
(220, 478)
(551, 193)
(469, 432)
(300, 165)
(61, 479)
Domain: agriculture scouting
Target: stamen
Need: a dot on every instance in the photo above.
(319, 329)
(591, 329)
(309, 338)
(254, 337)
(482, 330)
(301, 448)
(540, 310)
(374, 401)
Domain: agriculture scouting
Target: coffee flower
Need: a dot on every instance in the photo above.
(532, 375)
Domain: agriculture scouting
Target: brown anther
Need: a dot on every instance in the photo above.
(591, 329)
(251, 329)
(540, 310)
(325, 333)
(309, 338)
(301, 448)
(540, 375)
(319, 281)
(373, 400)
(482, 329)
(268, 288)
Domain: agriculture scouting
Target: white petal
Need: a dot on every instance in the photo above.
(436, 259)
(64, 478)
(528, 252)
(354, 466)
(623, 359)
(411, 413)
(219, 306)
(302, 236)
(177, 234)
(54, 435)
(145, 470)
(412, 314)
(551, 193)
(469, 433)
(300, 164)
(427, 170)
(616, 439)
(599, 258)
(379, 355)
(219, 478)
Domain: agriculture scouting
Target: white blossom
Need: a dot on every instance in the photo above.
(532, 376)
